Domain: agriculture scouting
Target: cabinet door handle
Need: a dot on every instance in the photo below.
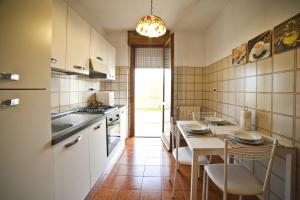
(99, 58)
(73, 142)
(97, 127)
(53, 60)
(78, 67)
(9, 102)
(9, 76)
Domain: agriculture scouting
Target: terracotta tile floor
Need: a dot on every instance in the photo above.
(142, 173)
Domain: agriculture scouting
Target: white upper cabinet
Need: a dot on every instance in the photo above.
(111, 62)
(25, 44)
(98, 52)
(59, 34)
(78, 43)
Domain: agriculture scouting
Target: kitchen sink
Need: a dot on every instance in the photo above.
(60, 127)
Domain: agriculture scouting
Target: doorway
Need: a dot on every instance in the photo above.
(149, 88)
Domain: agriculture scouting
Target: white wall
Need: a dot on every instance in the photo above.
(242, 20)
(119, 41)
(189, 49)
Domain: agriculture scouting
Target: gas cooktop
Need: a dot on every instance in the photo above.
(99, 109)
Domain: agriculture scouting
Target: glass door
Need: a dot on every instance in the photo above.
(148, 90)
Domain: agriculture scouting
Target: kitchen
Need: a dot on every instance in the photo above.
(69, 97)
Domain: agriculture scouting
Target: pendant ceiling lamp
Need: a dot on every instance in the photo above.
(151, 25)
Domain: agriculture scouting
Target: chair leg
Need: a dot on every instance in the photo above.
(174, 182)
(204, 185)
(170, 173)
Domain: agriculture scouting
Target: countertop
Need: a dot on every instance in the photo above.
(88, 120)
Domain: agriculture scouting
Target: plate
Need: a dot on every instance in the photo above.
(216, 120)
(196, 127)
(246, 136)
(256, 142)
(265, 53)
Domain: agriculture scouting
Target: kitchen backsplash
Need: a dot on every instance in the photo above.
(120, 86)
(270, 88)
(71, 91)
(187, 87)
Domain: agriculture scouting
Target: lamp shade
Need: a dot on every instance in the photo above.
(151, 26)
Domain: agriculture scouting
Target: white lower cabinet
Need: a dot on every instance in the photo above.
(71, 167)
(98, 151)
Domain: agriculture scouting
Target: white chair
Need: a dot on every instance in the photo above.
(182, 155)
(235, 178)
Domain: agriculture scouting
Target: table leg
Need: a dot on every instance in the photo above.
(194, 177)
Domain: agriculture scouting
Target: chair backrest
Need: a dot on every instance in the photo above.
(247, 152)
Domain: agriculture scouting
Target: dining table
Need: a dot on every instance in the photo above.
(213, 144)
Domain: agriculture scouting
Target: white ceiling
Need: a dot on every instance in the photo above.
(117, 15)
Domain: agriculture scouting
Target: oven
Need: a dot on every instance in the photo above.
(113, 135)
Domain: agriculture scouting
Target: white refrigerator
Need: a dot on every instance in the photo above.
(26, 161)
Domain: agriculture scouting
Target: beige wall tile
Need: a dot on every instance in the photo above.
(297, 136)
(283, 103)
(250, 84)
(123, 78)
(298, 105)
(189, 78)
(250, 100)
(64, 98)
(240, 71)
(231, 110)
(73, 97)
(239, 86)
(283, 82)
(82, 86)
(124, 70)
(189, 70)
(239, 98)
(283, 125)
(54, 84)
(231, 86)
(283, 61)
(198, 78)
(250, 69)
(225, 86)
(231, 98)
(54, 99)
(225, 74)
(298, 81)
(264, 83)
(263, 120)
(264, 101)
(64, 85)
(198, 70)
(264, 66)
(298, 60)
(231, 73)
(198, 87)
(74, 85)
(190, 86)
